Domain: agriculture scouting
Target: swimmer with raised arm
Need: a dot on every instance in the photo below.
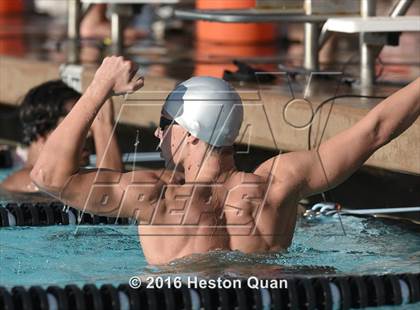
(205, 203)
(42, 109)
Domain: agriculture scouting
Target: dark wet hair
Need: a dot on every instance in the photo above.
(42, 107)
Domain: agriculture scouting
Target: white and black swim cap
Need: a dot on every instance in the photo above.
(208, 108)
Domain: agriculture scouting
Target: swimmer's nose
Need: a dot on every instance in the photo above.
(158, 133)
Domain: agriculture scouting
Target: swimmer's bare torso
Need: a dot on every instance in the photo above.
(230, 209)
(241, 213)
(249, 212)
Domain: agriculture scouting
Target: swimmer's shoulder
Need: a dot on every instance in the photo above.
(283, 167)
(155, 176)
(150, 185)
(246, 181)
(244, 187)
(284, 173)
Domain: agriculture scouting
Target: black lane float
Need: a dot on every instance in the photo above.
(328, 292)
(55, 213)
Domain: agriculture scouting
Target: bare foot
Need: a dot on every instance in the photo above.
(95, 25)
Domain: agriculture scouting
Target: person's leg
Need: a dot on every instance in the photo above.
(95, 25)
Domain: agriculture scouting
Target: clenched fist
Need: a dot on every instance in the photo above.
(119, 75)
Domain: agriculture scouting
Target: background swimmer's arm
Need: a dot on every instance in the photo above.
(59, 159)
(340, 156)
(108, 153)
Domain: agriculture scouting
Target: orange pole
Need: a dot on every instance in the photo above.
(11, 6)
(11, 20)
(241, 33)
(229, 40)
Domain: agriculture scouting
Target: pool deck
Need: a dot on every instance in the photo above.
(264, 124)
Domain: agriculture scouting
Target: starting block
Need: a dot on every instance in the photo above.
(373, 24)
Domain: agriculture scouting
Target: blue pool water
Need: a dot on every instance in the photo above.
(99, 254)
(111, 254)
(5, 172)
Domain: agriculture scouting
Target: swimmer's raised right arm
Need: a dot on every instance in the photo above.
(337, 158)
(57, 169)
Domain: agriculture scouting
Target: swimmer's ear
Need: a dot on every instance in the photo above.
(43, 138)
(193, 140)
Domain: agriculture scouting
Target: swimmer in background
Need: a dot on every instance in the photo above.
(95, 25)
(42, 109)
(202, 202)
